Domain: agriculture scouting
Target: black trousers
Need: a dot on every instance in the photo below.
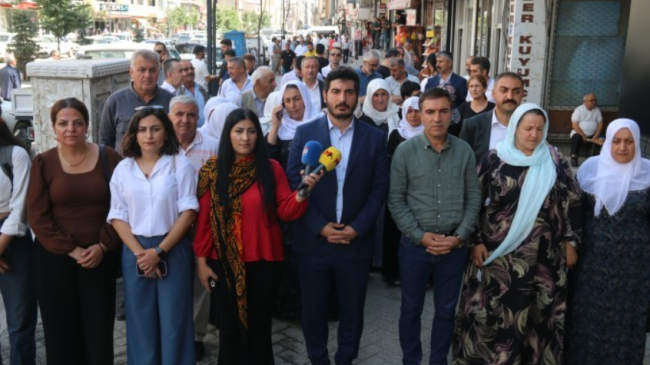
(262, 279)
(77, 308)
(576, 143)
(346, 55)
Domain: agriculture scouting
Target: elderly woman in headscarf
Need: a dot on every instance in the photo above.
(208, 109)
(410, 126)
(378, 108)
(291, 109)
(514, 292)
(612, 282)
(217, 119)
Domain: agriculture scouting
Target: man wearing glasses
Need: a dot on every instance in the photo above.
(161, 49)
(143, 91)
(587, 123)
(335, 61)
(367, 73)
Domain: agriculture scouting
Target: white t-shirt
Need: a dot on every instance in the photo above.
(201, 72)
(587, 119)
(300, 50)
(396, 85)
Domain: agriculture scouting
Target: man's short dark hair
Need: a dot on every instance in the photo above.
(407, 89)
(320, 48)
(161, 44)
(274, 39)
(432, 59)
(482, 62)
(238, 61)
(230, 52)
(435, 93)
(342, 73)
(168, 64)
(226, 42)
(393, 52)
(309, 43)
(298, 62)
(198, 49)
(445, 54)
(509, 74)
(248, 57)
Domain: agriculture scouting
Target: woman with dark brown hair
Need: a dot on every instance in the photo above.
(76, 263)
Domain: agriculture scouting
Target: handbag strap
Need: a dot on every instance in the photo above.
(102, 156)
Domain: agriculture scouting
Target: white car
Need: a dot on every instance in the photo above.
(118, 50)
(5, 39)
(49, 43)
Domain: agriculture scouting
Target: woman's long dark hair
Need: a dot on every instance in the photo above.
(7, 138)
(226, 160)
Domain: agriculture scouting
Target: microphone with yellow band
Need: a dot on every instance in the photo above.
(329, 159)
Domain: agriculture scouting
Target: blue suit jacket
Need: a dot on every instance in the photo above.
(457, 82)
(364, 191)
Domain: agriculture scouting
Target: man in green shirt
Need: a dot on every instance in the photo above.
(434, 199)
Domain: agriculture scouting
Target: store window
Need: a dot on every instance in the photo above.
(483, 27)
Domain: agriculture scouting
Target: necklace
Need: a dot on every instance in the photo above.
(78, 163)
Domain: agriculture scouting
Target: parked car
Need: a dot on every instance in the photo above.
(117, 50)
(18, 114)
(186, 51)
(48, 43)
(5, 39)
(125, 37)
(167, 42)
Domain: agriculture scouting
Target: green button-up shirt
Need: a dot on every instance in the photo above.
(433, 191)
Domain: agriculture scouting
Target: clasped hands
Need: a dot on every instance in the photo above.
(147, 261)
(90, 257)
(338, 233)
(437, 244)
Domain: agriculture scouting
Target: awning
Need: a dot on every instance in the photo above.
(5, 5)
(399, 4)
(26, 5)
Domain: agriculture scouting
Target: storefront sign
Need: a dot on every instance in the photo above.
(119, 8)
(382, 10)
(399, 4)
(411, 17)
(527, 45)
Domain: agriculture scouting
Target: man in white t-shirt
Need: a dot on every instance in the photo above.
(587, 123)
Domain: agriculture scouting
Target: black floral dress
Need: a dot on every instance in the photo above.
(513, 311)
(611, 290)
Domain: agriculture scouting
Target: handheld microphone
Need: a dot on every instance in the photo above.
(310, 154)
(328, 160)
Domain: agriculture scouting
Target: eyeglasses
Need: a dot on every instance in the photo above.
(591, 100)
(147, 107)
(187, 69)
(335, 54)
(159, 51)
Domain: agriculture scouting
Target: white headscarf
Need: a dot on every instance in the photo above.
(218, 119)
(405, 129)
(390, 115)
(288, 127)
(538, 182)
(610, 181)
(265, 120)
(211, 104)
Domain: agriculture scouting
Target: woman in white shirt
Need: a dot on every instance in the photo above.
(153, 204)
(16, 249)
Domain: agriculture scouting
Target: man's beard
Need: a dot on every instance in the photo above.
(341, 115)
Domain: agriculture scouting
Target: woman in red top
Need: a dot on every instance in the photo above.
(243, 195)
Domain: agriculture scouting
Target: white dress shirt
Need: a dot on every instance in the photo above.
(488, 92)
(300, 50)
(326, 70)
(202, 148)
(342, 142)
(231, 91)
(152, 206)
(396, 85)
(201, 72)
(176, 91)
(315, 96)
(497, 131)
(14, 202)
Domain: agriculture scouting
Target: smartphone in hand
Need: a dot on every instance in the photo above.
(162, 266)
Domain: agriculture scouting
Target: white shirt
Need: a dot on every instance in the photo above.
(300, 50)
(497, 131)
(290, 76)
(395, 85)
(587, 120)
(14, 202)
(326, 70)
(231, 91)
(315, 96)
(152, 206)
(201, 72)
(196, 94)
(407, 58)
(325, 42)
(167, 86)
(342, 142)
(202, 148)
(488, 92)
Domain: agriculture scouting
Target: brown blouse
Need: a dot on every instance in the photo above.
(69, 210)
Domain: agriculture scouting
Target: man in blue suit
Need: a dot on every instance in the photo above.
(447, 77)
(334, 240)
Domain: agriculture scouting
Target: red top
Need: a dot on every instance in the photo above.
(261, 242)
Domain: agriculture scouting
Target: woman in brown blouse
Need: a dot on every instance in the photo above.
(68, 200)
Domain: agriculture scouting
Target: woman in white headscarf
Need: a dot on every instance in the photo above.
(217, 119)
(514, 292)
(410, 126)
(611, 290)
(208, 109)
(378, 109)
(292, 108)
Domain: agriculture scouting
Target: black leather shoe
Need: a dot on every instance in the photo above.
(199, 350)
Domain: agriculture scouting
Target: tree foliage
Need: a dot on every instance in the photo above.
(61, 17)
(179, 17)
(23, 47)
(227, 19)
(251, 21)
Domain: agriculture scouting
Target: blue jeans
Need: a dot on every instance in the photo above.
(19, 296)
(416, 267)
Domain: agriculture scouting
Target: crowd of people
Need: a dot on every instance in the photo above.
(205, 206)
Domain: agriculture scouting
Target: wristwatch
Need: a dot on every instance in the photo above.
(460, 240)
(162, 254)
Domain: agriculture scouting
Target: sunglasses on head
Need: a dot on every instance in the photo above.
(148, 107)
